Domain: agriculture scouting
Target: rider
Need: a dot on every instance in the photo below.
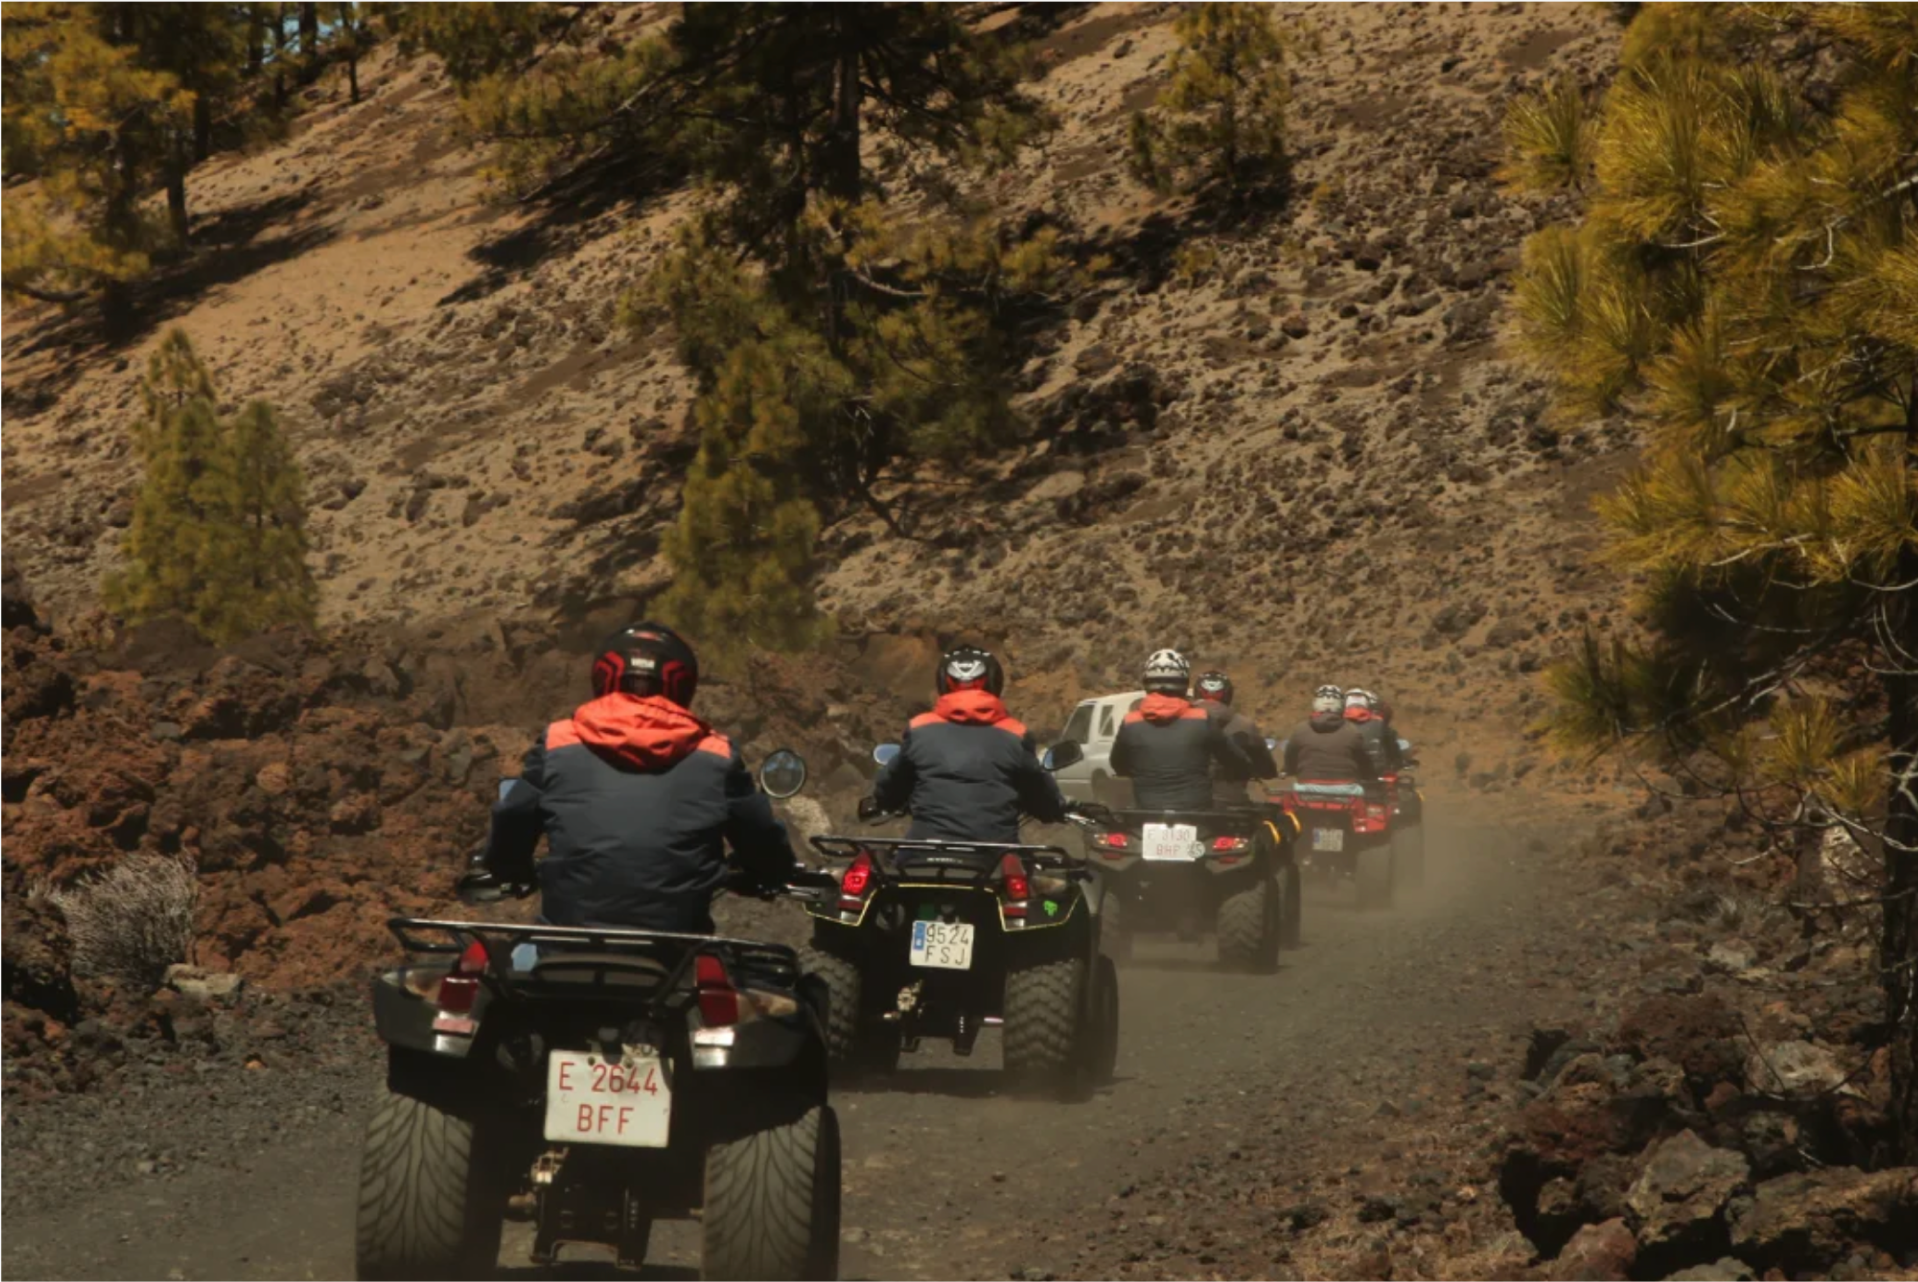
(1213, 692)
(966, 769)
(1168, 745)
(1361, 710)
(635, 796)
(1383, 711)
(1327, 748)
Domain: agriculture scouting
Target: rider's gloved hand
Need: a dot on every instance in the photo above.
(869, 808)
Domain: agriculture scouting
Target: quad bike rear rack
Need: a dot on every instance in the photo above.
(609, 956)
(968, 858)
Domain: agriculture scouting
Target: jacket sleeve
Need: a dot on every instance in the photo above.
(1362, 758)
(759, 841)
(1120, 758)
(1291, 762)
(892, 786)
(1039, 794)
(1263, 766)
(517, 821)
(1226, 751)
(1389, 750)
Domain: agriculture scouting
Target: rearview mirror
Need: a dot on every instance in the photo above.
(1271, 744)
(1066, 752)
(885, 752)
(783, 774)
(1405, 745)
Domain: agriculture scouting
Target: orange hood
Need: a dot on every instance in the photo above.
(647, 732)
(970, 708)
(1162, 708)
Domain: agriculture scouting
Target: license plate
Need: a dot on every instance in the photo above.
(1171, 843)
(593, 1100)
(943, 945)
(1328, 839)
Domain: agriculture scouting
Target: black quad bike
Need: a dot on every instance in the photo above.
(609, 1078)
(940, 939)
(1231, 869)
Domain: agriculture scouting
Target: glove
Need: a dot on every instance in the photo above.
(870, 809)
(479, 886)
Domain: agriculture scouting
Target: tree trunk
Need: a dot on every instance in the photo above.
(310, 35)
(255, 39)
(353, 74)
(202, 127)
(176, 186)
(1900, 947)
(279, 57)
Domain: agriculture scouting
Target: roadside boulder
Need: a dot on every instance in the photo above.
(1600, 1252)
(1725, 1270)
(1678, 1202)
(206, 985)
(1806, 1223)
(1796, 1069)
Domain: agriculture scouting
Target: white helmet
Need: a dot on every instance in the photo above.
(1328, 699)
(1167, 672)
(1357, 698)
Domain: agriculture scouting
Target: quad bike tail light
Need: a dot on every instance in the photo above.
(460, 988)
(1371, 817)
(854, 884)
(718, 999)
(1017, 888)
(1114, 843)
(1223, 844)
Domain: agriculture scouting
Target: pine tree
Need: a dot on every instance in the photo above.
(218, 532)
(1744, 282)
(1221, 120)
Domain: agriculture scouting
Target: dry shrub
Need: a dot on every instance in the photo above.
(132, 922)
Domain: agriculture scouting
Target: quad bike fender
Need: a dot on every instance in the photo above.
(766, 1041)
(406, 1019)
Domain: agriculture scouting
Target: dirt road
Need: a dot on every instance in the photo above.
(1253, 1081)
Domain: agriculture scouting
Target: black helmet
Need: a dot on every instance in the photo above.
(647, 659)
(1214, 685)
(969, 668)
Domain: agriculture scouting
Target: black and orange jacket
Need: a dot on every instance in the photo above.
(637, 798)
(965, 771)
(1168, 748)
(1247, 738)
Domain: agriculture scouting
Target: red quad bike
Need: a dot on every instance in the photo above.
(1178, 871)
(610, 1077)
(1348, 832)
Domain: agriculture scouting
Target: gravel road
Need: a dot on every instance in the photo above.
(1239, 1079)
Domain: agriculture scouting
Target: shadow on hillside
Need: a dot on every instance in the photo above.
(227, 248)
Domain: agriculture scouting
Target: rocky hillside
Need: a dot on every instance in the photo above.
(1292, 446)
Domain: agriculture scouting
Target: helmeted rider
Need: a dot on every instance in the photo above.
(1361, 710)
(1169, 746)
(1326, 748)
(637, 799)
(966, 770)
(1213, 692)
(1383, 712)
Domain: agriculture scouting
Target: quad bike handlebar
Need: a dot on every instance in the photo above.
(480, 886)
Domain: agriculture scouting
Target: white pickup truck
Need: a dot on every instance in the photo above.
(1094, 724)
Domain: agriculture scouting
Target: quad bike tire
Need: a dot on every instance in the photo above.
(1373, 873)
(772, 1202)
(1115, 928)
(1045, 1027)
(1104, 1039)
(1293, 933)
(850, 1046)
(1408, 855)
(431, 1202)
(1252, 924)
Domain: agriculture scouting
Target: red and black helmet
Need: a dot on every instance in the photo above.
(647, 659)
(1214, 685)
(969, 668)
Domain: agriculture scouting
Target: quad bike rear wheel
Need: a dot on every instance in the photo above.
(1115, 930)
(850, 1046)
(1372, 871)
(1408, 855)
(1103, 1037)
(772, 1202)
(1045, 1026)
(1251, 924)
(432, 1200)
(1293, 935)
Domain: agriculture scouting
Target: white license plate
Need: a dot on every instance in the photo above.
(593, 1100)
(1171, 843)
(1328, 839)
(943, 945)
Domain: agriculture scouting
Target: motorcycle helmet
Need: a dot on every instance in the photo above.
(1328, 698)
(1358, 704)
(1215, 686)
(647, 659)
(1167, 672)
(969, 668)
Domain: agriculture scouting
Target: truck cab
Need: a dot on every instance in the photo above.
(1094, 724)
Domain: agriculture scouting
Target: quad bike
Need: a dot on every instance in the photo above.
(610, 1077)
(939, 939)
(1359, 832)
(1232, 868)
